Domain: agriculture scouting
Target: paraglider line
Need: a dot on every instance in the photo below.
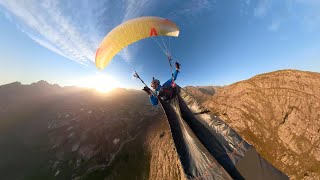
(167, 53)
(159, 45)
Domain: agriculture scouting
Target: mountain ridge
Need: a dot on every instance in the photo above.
(277, 112)
(279, 108)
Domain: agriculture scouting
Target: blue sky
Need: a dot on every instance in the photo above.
(220, 42)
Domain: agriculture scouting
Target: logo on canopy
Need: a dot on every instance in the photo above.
(153, 32)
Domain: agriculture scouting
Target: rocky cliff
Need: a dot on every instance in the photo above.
(164, 162)
(279, 113)
(202, 93)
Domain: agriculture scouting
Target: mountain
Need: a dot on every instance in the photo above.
(164, 160)
(279, 113)
(48, 132)
(53, 132)
(202, 93)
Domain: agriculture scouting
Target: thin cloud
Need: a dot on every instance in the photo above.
(48, 24)
(127, 54)
(304, 12)
(191, 9)
(275, 25)
(74, 29)
(311, 19)
(262, 8)
(309, 2)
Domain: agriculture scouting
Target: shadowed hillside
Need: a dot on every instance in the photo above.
(52, 132)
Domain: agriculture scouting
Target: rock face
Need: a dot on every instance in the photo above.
(164, 162)
(279, 113)
(202, 93)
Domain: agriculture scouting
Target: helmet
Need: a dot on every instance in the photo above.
(154, 82)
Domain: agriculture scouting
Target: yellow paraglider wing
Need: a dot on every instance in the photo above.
(130, 32)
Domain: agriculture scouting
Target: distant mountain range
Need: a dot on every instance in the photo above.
(53, 132)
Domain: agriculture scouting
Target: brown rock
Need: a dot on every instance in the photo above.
(279, 113)
(202, 93)
(164, 162)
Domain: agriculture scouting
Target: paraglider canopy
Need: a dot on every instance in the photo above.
(130, 32)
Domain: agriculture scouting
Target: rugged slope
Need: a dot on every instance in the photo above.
(279, 113)
(50, 132)
(202, 93)
(164, 162)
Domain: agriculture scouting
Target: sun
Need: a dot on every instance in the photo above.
(103, 88)
(101, 82)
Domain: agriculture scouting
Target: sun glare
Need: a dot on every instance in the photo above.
(101, 82)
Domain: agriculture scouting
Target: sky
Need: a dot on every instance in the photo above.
(220, 41)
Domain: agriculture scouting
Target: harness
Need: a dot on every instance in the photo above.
(167, 93)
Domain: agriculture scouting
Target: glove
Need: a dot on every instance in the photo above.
(177, 66)
(147, 90)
